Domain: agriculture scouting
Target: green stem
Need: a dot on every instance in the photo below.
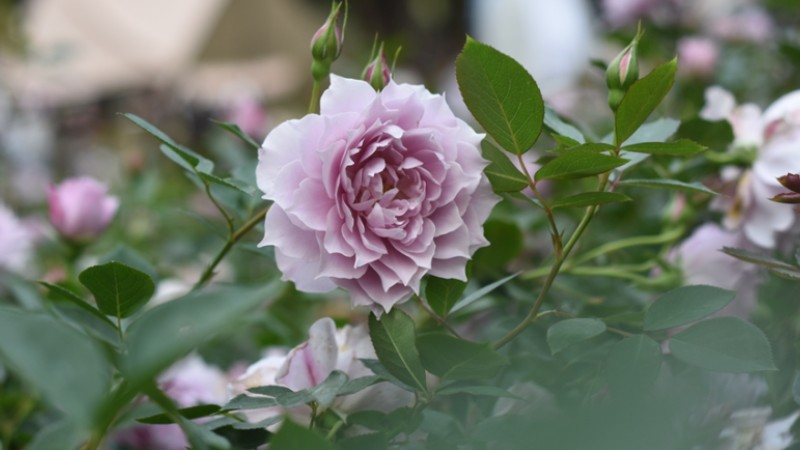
(313, 107)
(665, 237)
(560, 256)
(334, 429)
(232, 239)
(439, 319)
(228, 218)
(556, 236)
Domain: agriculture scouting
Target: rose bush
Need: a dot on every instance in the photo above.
(375, 192)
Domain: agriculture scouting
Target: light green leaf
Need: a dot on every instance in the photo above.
(72, 298)
(578, 164)
(682, 147)
(567, 332)
(67, 367)
(236, 131)
(119, 290)
(673, 185)
(475, 389)
(633, 365)
(641, 100)
(755, 258)
(394, 339)
(502, 173)
(442, 294)
(501, 95)
(589, 199)
(685, 304)
(192, 412)
(658, 130)
(167, 332)
(724, 344)
(480, 293)
(553, 122)
(452, 358)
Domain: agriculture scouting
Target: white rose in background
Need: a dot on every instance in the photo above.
(311, 362)
(189, 382)
(775, 134)
(16, 241)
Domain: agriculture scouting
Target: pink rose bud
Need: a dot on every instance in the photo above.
(622, 72)
(80, 208)
(326, 45)
(377, 72)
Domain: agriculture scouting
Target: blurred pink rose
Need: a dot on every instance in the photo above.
(311, 362)
(190, 382)
(80, 208)
(750, 25)
(373, 193)
(697, 56)
(16, 241)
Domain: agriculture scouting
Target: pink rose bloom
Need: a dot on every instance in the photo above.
(80, 208)
(776, 135)
(697, 56)
(375, 192)
(311, 362)
(750, 25)
(16, 241)
(190, 382)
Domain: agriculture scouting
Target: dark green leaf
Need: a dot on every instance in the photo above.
(181, 155)
(294, 437)
(724, 344)
(564, 141)
(367, 441)
(394, 339)
(685, 304)
(589, 199)
(59, 435)
(131, 258)
(379, 370)
(578, 164)
(192, 412)
(236, 131)
(442, 294)
(67, 367)
(501, 95)
(567, 332)
(633, 365)
(716, 135)
(683, 147)
(476, 389)
(505, 243)
(641, 100)
(502, 173)
(284, 396)
(245, 401)
(673, 185)
(596, 147)
(119, 290)
(452, 358)
(73, 298)
(755, 258)
(167, 332)
(796, 389)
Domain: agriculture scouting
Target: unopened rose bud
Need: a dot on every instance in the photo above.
(377, 72)
(81, 209)
(326, 45)
(790, 181)
(622, 72)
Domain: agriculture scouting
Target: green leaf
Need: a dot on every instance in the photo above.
(73, 298)
(756, 258)
(325, 392)
(192, 412)
(589, 199)
(167, 332)
(379, 370)
(119, 290)
(633, 365)
(682, 147)
(359, 384)
(486, 390)
(641, 100)
(294, 437)
(567, 332)
(442, 294)
(724, 344)
(685, 304)
(553, 122)
(716, 135)
(480, 293)
(181, 155)
(452, 358)
(658, 130)
(502, 173)
(59, 435)
(236, 131)
(596, 147)
(394, 339)
(673, 185)
(501, 95)
(578, 164)
(67, 367)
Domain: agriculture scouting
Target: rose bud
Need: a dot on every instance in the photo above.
(326, 45)
(80, 208)
(790, 181)
(377, 72)
(622, 72)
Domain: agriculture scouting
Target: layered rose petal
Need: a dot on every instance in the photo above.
(374, 193)
(80, 208)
